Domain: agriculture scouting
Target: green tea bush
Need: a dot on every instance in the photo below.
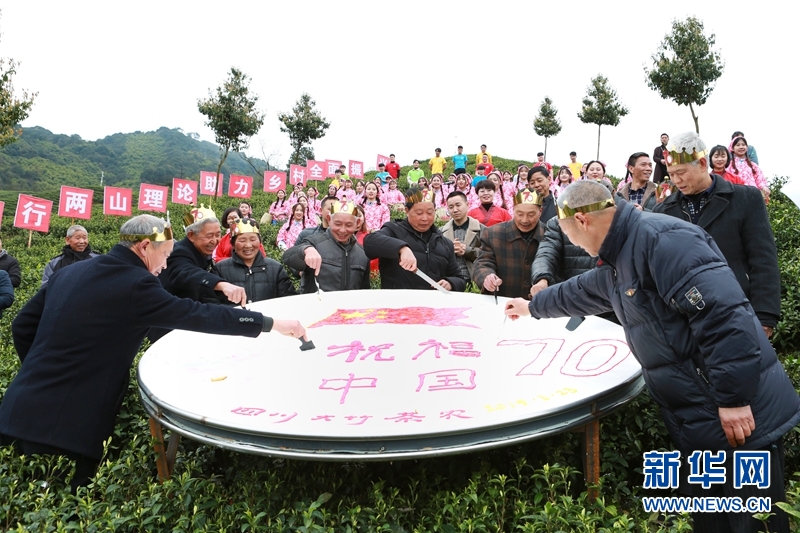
(785, 219)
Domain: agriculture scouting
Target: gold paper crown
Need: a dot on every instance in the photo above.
(665, 188)
(156, 236)
(246, 225)
(343, 206)
(677, 158)
(527, 196)
(567, 211)
(198, 213)
(418, 196)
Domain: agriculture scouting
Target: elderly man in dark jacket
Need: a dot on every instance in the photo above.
(415, 243)
(736, 217)
(190, 270)
(507, 249)
(10, 265)
(333, 258)
(6, 292)
(704, 356)
(65, 398)
(261, 278)
(77, 248)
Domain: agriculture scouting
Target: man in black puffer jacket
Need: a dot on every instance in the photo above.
(557, 259)
(261, 277)
(415, 243)
(704, 355)
(333, 258)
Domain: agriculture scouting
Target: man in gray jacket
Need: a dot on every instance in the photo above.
(334, 259)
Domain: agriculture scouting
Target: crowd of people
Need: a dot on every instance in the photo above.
(530, 236)
(471, 206)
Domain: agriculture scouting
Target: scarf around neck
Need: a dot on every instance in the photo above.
(69, 256)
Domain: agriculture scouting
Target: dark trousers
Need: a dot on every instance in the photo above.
(85, 467)
(741, 522)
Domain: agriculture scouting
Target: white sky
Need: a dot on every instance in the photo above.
(405, 78)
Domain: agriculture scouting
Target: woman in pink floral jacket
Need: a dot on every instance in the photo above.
(464, 185)
(287, 236)
(280, 209)
(742, 167)
(376, 213)
(393, 194)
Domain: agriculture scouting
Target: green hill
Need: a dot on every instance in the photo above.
(42, 160)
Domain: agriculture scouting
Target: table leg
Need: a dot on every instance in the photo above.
(165, 459)
(591, 457)
(172, 451)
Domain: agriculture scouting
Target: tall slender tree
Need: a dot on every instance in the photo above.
(601, 106)
(547, 124)
(13, 109)
(304, 123)
(232, 114)
(686, 66)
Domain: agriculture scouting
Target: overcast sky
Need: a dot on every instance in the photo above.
(404, 77)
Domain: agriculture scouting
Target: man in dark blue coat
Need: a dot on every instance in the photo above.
(704, 355)
(78, 336)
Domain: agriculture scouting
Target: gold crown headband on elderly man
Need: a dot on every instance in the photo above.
(527, 196)
(198, 213)
(422, 195)
(343, 206)
(567, 211)
(675, 157)
(156, 236)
